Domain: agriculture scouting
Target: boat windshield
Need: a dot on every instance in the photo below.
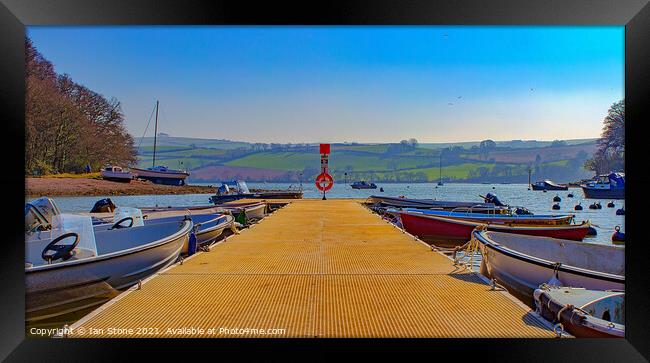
(81, 225)
(243, 188)
(128, 212)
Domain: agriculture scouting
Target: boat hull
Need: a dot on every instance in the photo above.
(548, 186)
(60, 290)
(598, 193)
(120, 177)
(436, 204)
(522, 275)
(576, 321)
(160, 177)
(501, 218)
(454, 232)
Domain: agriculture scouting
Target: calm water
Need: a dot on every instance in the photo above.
(513, 194)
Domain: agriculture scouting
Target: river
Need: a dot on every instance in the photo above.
(513, 194)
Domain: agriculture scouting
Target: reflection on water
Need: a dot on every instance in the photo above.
(605, 219)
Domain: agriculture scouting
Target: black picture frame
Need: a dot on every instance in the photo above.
(634, 14)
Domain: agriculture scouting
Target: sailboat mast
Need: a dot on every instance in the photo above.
(155, 135)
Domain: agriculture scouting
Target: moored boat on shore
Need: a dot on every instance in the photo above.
(116, 173)
(523, 263)
(161, 175)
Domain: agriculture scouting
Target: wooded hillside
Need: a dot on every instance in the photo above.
(69, 126)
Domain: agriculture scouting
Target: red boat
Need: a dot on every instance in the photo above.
(444, 231)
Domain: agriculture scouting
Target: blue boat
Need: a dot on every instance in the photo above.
(363, 185)
(611, 186)
(548, 185)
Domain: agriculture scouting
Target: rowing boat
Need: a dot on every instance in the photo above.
(436, 204)
(540, 219)
(445, 231)
(523, 263)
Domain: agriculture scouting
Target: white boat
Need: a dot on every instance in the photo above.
(208, 225)
(116, 173)
(73, 267)
(523, 263)
(161, 175)
(252, 210)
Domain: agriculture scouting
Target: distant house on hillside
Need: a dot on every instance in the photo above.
(162, 134)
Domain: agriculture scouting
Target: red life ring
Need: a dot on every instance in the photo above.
(324, 182)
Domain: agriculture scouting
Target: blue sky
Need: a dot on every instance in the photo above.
(364, 84)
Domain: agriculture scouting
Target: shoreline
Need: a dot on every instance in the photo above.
(80, 187)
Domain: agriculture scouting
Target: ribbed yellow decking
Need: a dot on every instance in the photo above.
(316, 269)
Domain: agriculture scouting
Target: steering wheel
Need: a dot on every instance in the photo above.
(60, 251)
(118, 224)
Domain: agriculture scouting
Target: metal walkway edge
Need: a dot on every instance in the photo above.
(315, 269)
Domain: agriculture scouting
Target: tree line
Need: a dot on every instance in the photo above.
(67, 125)
(610, 155)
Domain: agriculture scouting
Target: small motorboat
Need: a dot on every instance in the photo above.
(116, 174)
(537, 219)
(548, 185)
(583, 313)
(611, 186)
(446, 231)
(363, 185)
(235, 190)
(73, 267)
(523, 263)
(208, 227)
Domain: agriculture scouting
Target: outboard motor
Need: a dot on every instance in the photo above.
(39, 214)
(556, 206)
(522, 211)
(570, 195)
(618, 236)
(103, 206)
(591, 232)
(620, 212)
(557, 198)
(611, 204)
(578, 206)
(491, 198)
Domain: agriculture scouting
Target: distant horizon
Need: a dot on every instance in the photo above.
(358, 142)
(371, 84)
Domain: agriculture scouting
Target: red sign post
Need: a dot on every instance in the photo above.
(324, 181)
